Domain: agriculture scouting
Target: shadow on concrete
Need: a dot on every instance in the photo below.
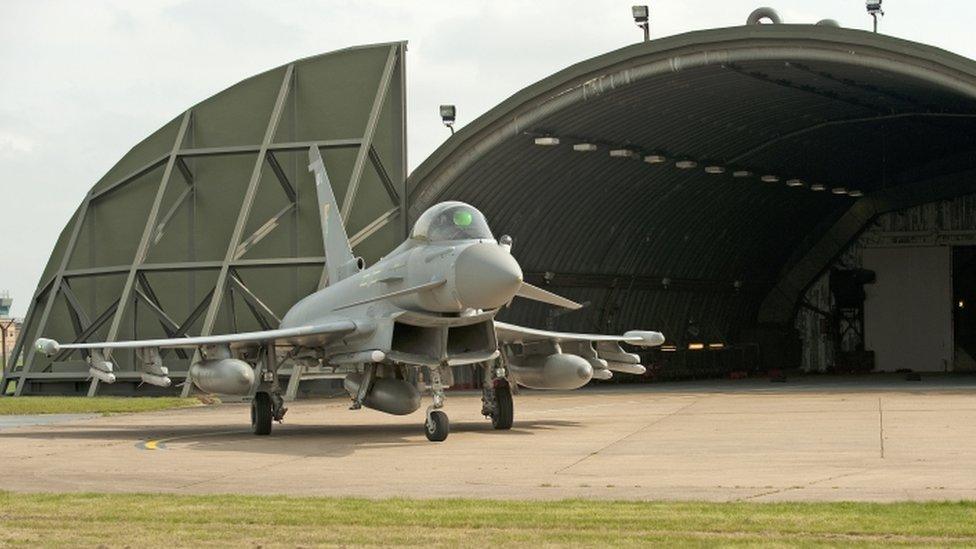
(299, 440)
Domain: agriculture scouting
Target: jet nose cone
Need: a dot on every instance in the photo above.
(486, 276)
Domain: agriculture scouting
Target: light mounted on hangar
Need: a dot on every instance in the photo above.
(211, 224)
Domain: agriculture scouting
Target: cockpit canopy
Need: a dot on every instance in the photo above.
(451, 221)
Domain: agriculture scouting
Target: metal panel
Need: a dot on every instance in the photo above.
(908, 310)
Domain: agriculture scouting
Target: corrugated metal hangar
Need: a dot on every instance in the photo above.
(768, 196)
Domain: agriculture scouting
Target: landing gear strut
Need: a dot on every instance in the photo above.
(437, 426)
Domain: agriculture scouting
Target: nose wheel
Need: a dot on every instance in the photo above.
(437, 426)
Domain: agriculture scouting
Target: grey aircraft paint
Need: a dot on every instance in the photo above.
(427, 306)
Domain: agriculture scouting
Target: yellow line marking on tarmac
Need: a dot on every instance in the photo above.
(160, 443)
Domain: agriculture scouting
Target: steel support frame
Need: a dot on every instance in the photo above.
(144, 241)
(367, 143)
(228, 279)
(252, 187)
(52, 295)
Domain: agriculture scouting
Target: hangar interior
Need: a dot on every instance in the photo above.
(771, 197)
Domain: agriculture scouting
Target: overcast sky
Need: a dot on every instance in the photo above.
(81, 82)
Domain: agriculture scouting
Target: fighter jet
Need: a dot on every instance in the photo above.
(425, 308)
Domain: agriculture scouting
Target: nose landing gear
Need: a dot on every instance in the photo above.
(437, 426)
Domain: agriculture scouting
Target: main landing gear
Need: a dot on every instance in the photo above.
(261, 414)
(496, 399)
(504, 413)
(265, 408)
(268, 405)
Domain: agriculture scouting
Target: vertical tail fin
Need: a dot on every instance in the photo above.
(339, 261)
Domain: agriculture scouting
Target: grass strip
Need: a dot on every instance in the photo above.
(178, 520)
(31, 405)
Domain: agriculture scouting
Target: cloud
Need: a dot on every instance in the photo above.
(13, 144)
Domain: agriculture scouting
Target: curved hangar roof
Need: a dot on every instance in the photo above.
(653, 206)
(211, 223)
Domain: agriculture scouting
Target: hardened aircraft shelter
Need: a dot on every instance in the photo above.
(210, 225)
(708, 185)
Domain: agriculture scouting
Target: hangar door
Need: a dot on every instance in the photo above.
(908, 310)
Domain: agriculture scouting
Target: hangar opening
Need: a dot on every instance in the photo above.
(708, 185)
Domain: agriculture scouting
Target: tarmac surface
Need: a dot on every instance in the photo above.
(874, 439)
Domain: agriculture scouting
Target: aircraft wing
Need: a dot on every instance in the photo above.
(511, 333)
(603, 352)
(301, 335)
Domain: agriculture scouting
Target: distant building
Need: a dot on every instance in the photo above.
(12, 333)
(9, 327)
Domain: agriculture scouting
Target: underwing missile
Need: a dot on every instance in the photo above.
(627, 368)
(159, 381)
(104, 377)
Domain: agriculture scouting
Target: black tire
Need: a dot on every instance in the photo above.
(437, 426)
(504, 413)
(261, 414)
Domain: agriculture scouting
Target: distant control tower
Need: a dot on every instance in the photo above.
(5, 303)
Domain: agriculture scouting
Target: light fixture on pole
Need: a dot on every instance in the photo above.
(641, 17)
(448, 114)
(874, 10)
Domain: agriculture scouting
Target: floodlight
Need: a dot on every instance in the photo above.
(641, 16)
(448, 115)
(641, 13)
(874, 10)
